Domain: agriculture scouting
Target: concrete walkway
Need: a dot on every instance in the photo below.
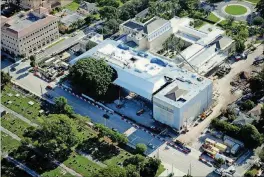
(22, 166)
(72, 172)
(14, 136)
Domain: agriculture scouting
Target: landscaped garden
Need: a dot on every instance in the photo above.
(213, 18)
(235, 9)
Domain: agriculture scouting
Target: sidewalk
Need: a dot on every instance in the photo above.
(169, 169)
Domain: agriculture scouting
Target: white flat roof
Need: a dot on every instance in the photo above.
(137, 74)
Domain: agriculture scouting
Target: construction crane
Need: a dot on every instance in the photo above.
(179, 53)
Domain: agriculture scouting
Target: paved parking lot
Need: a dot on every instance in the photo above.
(183, 162)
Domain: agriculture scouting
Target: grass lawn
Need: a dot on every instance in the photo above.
(56, 43)
(20, 104)
(235, 9)
(160, 170)
(8, 144)
(13, 124)
(72, 6)
(118, 158)
(57, 172)
(213, 18)
(81, 165)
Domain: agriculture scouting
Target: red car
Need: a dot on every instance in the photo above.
(49, 87)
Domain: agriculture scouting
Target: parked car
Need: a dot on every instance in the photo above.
(140, 112)
(49, 87)
(106, 116)
(49, 96)
(114, 129)
(151, 146)
(218, 171)
(258, 60)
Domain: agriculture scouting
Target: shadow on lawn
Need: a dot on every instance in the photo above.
(99, 150)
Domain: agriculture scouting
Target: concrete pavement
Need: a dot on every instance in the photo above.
(183, 162)
(22, 166)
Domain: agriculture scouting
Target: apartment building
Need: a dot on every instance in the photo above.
(28, 32)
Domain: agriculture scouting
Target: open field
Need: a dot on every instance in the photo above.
(235, 10)
(72, 6)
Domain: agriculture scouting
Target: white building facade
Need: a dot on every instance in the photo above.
(149, 35)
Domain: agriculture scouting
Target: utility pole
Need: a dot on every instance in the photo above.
(41, 90)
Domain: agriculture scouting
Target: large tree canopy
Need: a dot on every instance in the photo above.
(260, 7)
(92, 76)
(57, 135)
(111, 171)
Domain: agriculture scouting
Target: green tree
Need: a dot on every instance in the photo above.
(141, 148)
(108, 12)
(260, 8)
(247, 105)
(150, 167)
(229, 20)
(240, 45)
(136, 160)
(90, 45)
(132, 171)
(91, 76)
(257, 83)
(32, 60)
(61, 106)
(111, 171)
(5, 78)
(258, 21)
(251, 136)
(113, 135)
(57, 135)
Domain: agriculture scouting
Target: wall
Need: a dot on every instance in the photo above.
(156, 44)
(31, 42)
